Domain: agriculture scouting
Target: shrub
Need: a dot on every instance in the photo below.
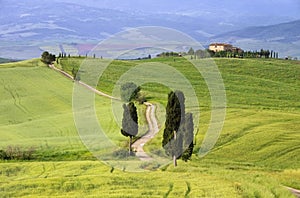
(17, 153)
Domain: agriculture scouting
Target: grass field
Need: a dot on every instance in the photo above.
(257, 153)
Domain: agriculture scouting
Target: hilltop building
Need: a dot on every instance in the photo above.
(217, 47)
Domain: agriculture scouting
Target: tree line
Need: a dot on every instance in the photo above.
(263, 53)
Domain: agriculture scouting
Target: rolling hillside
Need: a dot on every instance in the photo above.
(35, 26)
(258, 150)
(283, 37)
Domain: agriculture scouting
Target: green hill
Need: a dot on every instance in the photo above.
(6, 60)
(258, 150)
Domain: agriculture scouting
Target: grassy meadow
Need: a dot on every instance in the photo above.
(256, 154)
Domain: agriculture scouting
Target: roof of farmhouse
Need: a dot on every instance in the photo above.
(220, 44)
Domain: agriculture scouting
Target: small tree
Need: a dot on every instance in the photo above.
(191, 51)
(75, 74)
(129, 122)
(129, 91)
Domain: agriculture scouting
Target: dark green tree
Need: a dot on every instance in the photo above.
(75, 74)
(261, 53)
(188, 144)
(173, 132)
(47, 58)
(129, 92)
(129, 122)
(271, 54)
(267, 54)
(191, 51)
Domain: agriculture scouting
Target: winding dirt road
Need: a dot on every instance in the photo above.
(83, 84)
(294, 191)
(150, 116)
(152, 131)
(152, 124)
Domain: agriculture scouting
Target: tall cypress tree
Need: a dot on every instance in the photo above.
(129, 122)
(188, 144)
(173, 133)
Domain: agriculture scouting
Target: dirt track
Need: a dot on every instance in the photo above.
(83, 84)
(152, 131)
(150, 116)
(294, 191)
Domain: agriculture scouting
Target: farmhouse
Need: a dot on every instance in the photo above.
(217, 47)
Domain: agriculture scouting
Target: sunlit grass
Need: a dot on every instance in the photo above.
(257, 152)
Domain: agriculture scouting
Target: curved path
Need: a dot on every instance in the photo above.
(83, 84)
(150, 116)
(152, 131)
(294, 191)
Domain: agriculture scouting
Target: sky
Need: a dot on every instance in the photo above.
(287, 8)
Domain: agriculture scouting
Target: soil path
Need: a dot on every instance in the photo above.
(150, 116)
(152, 131)
(294, 191)
(83, 84)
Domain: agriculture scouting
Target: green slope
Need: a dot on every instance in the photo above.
(257, 152)
(37, 108)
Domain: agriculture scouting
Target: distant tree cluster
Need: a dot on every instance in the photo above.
(261, 54)
(47, 58)
(236, 53)
(179, 128)
(63, 55)
(139, 58)
(169, 54)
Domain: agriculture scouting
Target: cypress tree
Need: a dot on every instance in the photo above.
(129, 122)
(173, 132)
(188, 144)
(129, 91)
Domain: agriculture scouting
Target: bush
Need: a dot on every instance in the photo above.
(141, 99)
(2, 154)
(16, 153)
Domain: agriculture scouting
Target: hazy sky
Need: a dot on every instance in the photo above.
(288, 8)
